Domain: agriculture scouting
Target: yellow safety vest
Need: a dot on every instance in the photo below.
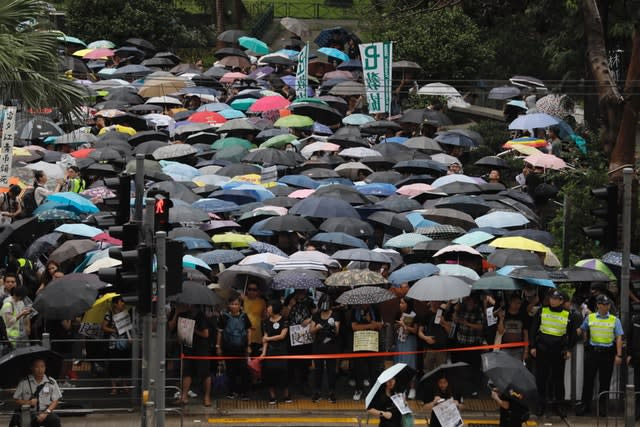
(601, 330)
(553, 322)
(13, 331)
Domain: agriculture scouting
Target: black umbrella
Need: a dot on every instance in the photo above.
(387, 177)
(231, 36)
(38, 128)
(197, 293)
(288, 223)
(397, 203)
(320, 173)
(351, 226)
(582, 274)
(518, 196)
(68, 296)
(455, 373)
(365, 295)
(72, 248)
(474, 206)
(238, 169)
(541, 236)
(272, 156)
(344, 192)
(364, 255)
(379, 127)
(443, 231)
(424, 144)
(391, 219)
(188, 232)
(229, 51)
(17, 364)
(148, 135)
(432, 245)
(493, 162)
(460, 188)
(324, 207)
(349, 136)
(508, 373)
(420, 166)
(140, 43)
(176, 190)
(147, 148)
(319, 112)
(502, 257)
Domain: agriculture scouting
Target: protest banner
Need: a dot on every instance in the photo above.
(376, 71)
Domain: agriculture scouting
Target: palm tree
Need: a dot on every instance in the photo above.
(29, 60)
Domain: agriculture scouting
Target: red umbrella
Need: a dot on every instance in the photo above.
(83, 153)
(268, 103)
(106, 238)
(210, 117)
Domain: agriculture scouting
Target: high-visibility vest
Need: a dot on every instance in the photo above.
(554, 322)
(13, 331)
(75, 185)
(601, 330)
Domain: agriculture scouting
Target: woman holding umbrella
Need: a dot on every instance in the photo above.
(383, 407)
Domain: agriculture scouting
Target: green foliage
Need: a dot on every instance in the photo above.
(446, 43)
(118, 20)
(29, 61)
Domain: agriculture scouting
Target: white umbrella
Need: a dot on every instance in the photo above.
(439, 89)
(385, 376)
(162, 100)
(52, 170)
(439, 288)
(102, 263)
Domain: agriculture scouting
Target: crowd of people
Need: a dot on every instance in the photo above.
(262, 316)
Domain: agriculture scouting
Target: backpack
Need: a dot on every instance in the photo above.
(234, 334)
(29, 202)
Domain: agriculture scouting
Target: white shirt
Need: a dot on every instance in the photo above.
(49, 393)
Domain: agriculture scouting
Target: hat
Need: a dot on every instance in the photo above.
(557, 294)
(603, 299)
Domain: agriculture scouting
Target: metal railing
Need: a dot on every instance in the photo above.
(306, 10)
(626, 399)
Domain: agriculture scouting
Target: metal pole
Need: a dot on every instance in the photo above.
(627, 176)
(149, 219)
(46, 340)
(137, 213)
(161, 331)
(629, 406)
(147, 321)
(565, 232)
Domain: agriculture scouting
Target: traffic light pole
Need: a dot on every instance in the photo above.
(161, 329)
(627, 176)
(137, 211)
(147, 321)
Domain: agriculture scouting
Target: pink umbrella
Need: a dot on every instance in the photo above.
(99, 53)
(277, 209)
(268, 103)
(339, 74)
(546, 161)
(413, 190)
(231, 77)
(301, 194)
(106, 238)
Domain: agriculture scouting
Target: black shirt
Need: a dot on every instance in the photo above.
(382, 402)
(430, 328)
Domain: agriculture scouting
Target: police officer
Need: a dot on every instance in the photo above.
(603, 349)
(552, 336)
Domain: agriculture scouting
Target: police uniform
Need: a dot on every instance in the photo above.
(601, 351)
(552, 335)
(47, 392)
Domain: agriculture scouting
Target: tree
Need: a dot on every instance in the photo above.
(444, 41)
(118, 20)
(29, 60)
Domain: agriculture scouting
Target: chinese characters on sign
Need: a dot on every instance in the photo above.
(6, 148)
(376, 70)
(302, 72)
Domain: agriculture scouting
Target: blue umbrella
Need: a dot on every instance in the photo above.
(73, 200)
(407, 240)
(508, 269)
(257, 230)
(350, 65)
(171, 168)
(413, 272)
(321, 129)
(339, 238)
(457, 270)
(258, 192)
(190, 261)
(395, 139)
(324, 207)
(357, 119)
(79, 230)
(300, 181)
(334, 53)
(473, 238)
(532, 121)
(54, 214)
(214, 106)
(221, 256)
(193, 243)
(377, 189)
(418, 221)
(493, 230)
(261, 248)
(502, 219)
(215, 205)
(237, 197)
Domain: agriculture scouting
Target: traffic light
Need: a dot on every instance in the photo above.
(161, 208)
(128, 233)
(123, 212)
(605, 230)
(175, 252)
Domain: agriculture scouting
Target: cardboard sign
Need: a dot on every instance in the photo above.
(186, 328)
(366, 341)
(123, 323)
(300, 335)
(448, 414)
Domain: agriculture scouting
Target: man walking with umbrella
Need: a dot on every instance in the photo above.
(552, 336)
(603, 350)
(41, 393)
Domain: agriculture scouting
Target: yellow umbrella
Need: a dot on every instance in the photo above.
(518, 242)
(525, 149)
(96, 313)
(118, 128)
(82, 52)
(18, 151)
(252, 178)
(162, 86)
(235, 240)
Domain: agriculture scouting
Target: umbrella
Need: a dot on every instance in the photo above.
(493, 162)
(533, 121)
(407, 240)
(502, 257)
(517, 242)
(262, 247)
(385, 376)
(471, 205)
(273, 156)
(289, 223)
(474, 238)
(197, 294)
(297, 279)
(339, 239)
(541, 236)
(221, 256)
(439, 288)
(502, 219)
(295, 26)
(365, 295)
(16, 365)
(74, 201)
(294, 121)
(495, 282)
(546, 161)
(79, 230)
(449, 217)
(412, 272)
(274, 102)
(457, 270)
(391, 219)
(351, 226)
(235, 240)
(439, 89)
(71, 249)
(596, 264)
(526, 81)
(362, 255)
(231, 36)
(357, 119)
(68, 296)
(334, 53)
(348, 88)
(238, 275)
(456, 373)
(353, 278)
(507, 372)
(615, 258)
(503, 92)
(324, 207)
(180, 214)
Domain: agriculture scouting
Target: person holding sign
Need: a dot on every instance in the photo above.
(434, 331)
(443, 394)
(301, 340)
(366, 326)
(193, 333)
(118, 330)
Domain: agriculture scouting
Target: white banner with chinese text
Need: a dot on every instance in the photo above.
(302, 72)
(6, 147)
(376, 72)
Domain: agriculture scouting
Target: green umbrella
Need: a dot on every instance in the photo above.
(278, 141)
(231, 142)
(596, 264)
(71, 40)
(294, 121)
(233, 153)
(308, 99)
(242, 104)
(496, 282)
(251, 43)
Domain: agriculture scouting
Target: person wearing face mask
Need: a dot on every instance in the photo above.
(325, 327)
